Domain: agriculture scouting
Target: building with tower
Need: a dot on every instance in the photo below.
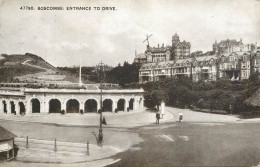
(180, 50)
(230, 59)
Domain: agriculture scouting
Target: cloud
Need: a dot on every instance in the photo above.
(61, 37)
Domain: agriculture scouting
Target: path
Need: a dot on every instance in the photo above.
(47, 75)
(193, 116)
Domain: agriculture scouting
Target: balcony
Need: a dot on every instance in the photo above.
(163, 74)
(231, 68)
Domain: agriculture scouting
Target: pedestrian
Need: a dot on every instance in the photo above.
(180, 116)
(104, 122)
(157, 117)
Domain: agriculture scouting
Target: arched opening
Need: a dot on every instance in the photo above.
(54, 106)
(22, 108)
(90, 106)
(107, 105)
(72, 106)
(121, 105)
(4, 106)
(12, 107)
(35, 106)
(131, 104)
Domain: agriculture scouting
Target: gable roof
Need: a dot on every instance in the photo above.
(182, 44)
(5, 134)
(228, 42)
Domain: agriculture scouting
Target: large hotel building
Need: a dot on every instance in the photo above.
(229, 59)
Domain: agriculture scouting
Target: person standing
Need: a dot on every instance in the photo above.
(180, 116)
(157, 117)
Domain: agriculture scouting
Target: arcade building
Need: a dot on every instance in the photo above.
(30, 101)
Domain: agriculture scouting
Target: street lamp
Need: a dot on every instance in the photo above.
(100, 70)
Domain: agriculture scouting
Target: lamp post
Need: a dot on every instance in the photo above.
(100, 70)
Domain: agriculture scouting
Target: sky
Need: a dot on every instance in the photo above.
(68, 38)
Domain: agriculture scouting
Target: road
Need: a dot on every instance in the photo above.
(168, 144)
(200, 144)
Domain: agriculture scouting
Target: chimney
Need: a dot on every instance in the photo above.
(163, 45)
(158, 45)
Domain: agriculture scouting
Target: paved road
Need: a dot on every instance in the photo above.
(168, 144)
(186, 144)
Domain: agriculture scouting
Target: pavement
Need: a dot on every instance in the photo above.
(194, 116)
(71, 144)
(120, 119)
(127, 119)
(42, 151)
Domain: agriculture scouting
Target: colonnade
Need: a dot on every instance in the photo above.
(12, 106)
(36, 105)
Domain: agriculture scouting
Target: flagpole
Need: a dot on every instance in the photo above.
(80, 81)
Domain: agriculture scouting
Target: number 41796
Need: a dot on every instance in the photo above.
(26, 8)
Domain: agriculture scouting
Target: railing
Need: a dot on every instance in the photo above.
(46, 90)
(45, 146)
(56, 85)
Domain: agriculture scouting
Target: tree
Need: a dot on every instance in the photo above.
(154, 98)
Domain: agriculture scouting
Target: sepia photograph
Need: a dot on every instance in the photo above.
(129, 83)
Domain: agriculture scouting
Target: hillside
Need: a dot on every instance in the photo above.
(31, 68)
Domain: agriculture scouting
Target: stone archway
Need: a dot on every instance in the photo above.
(107, 105)
(90, 105)
(72, 106)
(4, 106)
(36, 106)
(121, 105)
(131, 104)
(12, 105)
(54, 106)
(22, 108)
